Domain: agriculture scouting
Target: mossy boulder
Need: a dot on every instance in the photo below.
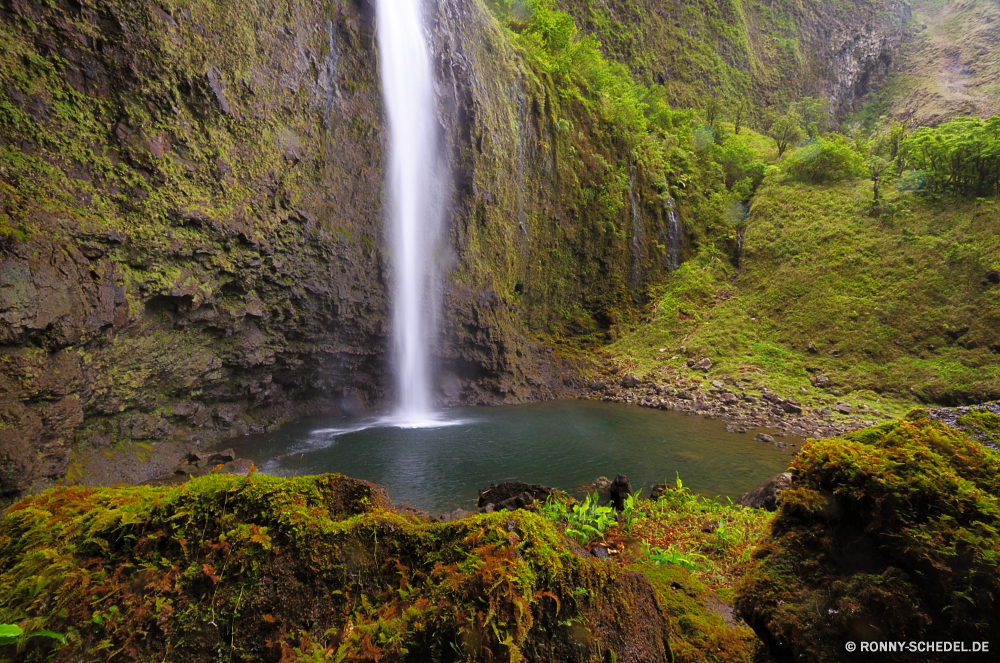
(260, 568)
(889, 533)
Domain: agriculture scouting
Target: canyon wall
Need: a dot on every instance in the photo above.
(192, 243)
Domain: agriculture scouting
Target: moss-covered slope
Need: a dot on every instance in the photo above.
(897, 309)
(949, 65)
(769, 52)
(260, 568)
(889, 534)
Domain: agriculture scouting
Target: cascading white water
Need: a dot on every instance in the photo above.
(416, 199)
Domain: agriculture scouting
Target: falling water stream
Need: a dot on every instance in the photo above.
(416, 201)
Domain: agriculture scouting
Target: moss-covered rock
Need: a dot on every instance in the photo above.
(262, 568)
(890, 533)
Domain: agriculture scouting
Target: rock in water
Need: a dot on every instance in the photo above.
(511, 495)
(765, 496)
(620, 489)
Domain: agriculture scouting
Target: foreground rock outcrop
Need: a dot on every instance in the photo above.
(262, 568)
(886, 534)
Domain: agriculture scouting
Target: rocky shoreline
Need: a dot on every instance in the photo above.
(742, 404)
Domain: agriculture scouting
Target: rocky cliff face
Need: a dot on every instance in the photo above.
(772, 52)
(193, 240)
(192, 230)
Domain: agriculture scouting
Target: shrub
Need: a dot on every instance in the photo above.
(890, 533)
(829, 159)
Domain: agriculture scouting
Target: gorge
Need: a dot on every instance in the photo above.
(680, 249)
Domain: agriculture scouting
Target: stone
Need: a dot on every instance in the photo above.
(457, 514)
(601, 483)
(238, 466)
(619, 490)
(993, 276)
(630, 381)
(766, 495)
(843, 408)
(600, 552)
(702, 364)
(764, 437)
(729, 398)
(811, 349)
(511, 495)
(821, 381)
(659, 490)
(717, 384)
(791, 407)
(409, 510)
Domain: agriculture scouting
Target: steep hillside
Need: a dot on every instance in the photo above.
(772, 52)
(949, 65)
(830, 300)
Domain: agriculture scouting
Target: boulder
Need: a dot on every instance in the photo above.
(511, 495)
(619, 490)
(764, 437)
(630, 381)
(457, 514)
(766, 495)
(842, 408)
(702, 364)
(791, 407)
(821, 381)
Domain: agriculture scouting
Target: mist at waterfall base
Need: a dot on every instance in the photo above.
(416, 202)
(563, 444)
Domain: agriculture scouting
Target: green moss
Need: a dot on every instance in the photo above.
(888, 534)
(257, 566)
(903, 305)
(703, 628)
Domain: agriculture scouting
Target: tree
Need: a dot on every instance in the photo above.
(877, 166)
(739, 114)
(786, 130)
(829, 159)
(815, 114)
(712, 110)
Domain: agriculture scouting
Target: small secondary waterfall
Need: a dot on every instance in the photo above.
(675, 238)
(416, 198)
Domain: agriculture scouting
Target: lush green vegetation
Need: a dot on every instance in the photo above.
(961, 156)
(257, 567)
(886, 534)
(893, 293)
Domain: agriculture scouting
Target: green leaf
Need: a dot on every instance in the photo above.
(10, 634)
(49, 634)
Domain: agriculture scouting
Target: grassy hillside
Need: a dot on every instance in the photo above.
(897, 309)
(950, 65)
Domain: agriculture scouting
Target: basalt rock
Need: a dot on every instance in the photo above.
(511, 495)
(766, 495)
(619, 490)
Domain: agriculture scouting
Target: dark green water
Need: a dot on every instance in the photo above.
(564, 444)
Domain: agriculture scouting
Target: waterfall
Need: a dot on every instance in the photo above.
(675, 238)
(416, 199)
